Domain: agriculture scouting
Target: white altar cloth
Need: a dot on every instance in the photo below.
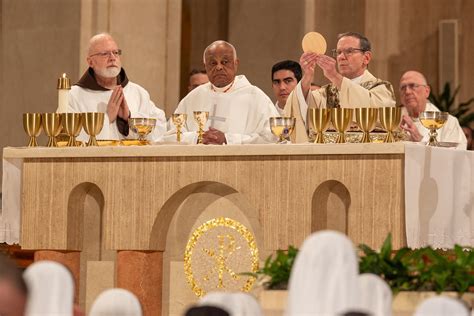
(439, 196)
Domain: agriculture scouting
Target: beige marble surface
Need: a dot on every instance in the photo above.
(202, 150)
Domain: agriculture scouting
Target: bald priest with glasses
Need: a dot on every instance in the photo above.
(105, 87)
(351, 84)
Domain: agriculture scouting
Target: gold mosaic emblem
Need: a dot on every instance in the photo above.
(216, 253)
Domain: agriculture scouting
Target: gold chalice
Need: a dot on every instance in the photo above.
(32, 125)
(366, 119)
(142, 126)
(52, 127)
(433, 120)
(390, 118)
(319, 121)
(282, 127)
(72, 124)
(341, 118)
(201, 118)
(179, 119)
(92, 123)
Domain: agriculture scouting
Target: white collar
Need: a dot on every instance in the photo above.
(223, 89)
(358, 80)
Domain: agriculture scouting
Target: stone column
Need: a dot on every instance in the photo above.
(70, 259)
(141, 272)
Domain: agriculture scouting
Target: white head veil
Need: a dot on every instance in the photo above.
(50, 289)
(236, 304)
(441, 306)
(116, 302)
(323, 280)
(375, 296)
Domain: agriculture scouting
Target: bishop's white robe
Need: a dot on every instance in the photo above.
(242, 113)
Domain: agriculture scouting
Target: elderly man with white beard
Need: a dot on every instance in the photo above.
(104, 87)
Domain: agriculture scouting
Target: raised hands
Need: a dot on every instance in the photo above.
(408, 126)
(308, 64)
(309, 61)
(117, 105)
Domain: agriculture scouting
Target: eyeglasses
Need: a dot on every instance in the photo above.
(412, 86)
(347, 52)
(116, 53)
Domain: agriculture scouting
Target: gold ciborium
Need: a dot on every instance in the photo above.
(318, 122)
(201, 118)
(32, 125)
(142, 126)
(52, 127)
(282, 127)
(179, 119)
(72, 124)
(390, 118)
(92, 123)
(341, 118)
(366, 119)
(433, 121)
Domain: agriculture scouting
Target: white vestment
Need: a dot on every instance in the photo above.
(242, 113)
(450, 132)
(363, 91)
(139, 103)
(279, 109)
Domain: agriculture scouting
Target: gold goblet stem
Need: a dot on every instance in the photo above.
(341, 138)
(319, 138)
(433, 141)
(72, 141)
(178, 133)
(282, 139)
(32, 142)
(92, 141)
(200, 133)
(52, 141)
(365, 137)
(389, 138)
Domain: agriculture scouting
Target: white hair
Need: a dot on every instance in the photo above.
(217, 43)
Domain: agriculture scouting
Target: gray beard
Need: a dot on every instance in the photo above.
(110, 72)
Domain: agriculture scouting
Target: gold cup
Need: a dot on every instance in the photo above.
(201, 118)
(282, 127)
(92, 123)
(433, 120)
(32, 126)
(341, 118)
(179, 119)
(72, 124)
(319, 121)
(52, 127)
(390, 118)
(366, 119)
(142, 126)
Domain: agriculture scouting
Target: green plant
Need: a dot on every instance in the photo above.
(275, 273)
(423, 269)
(388, 264)
(445, 102)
